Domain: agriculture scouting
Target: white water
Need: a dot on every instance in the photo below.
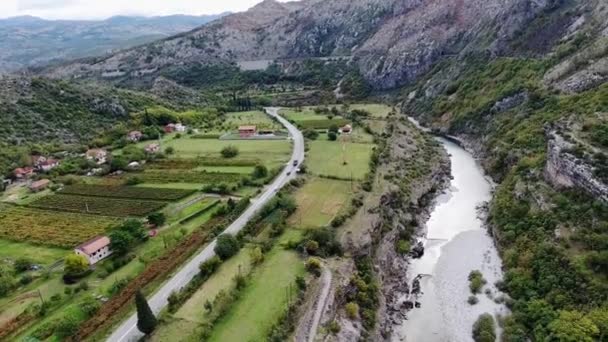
(456, 244)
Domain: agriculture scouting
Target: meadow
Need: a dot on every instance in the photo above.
(339, 160)
(257, 118)
(319, 200)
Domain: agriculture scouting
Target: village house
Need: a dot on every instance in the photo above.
(44, 164)
(152, 148)
(95, 250)
(23, 172)
(247, 131)
(347, 129)
(40, 185)
(134, 136)
(98, 155)
(180, 128)
(170, 128)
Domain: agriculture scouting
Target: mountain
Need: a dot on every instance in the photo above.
(31, 41)
(392, 42)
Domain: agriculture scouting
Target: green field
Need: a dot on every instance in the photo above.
(377, 110)
(187, 176)
(38, 254)
(305, 114)
(271, 152)
(336, 159)
(257, 118)
(262, 302)
(319, 200)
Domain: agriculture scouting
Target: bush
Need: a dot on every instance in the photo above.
(66, 327)
(260, 171)
(227, 246)
(230, 152)
(75, 264)
(208, 267)
(476, 281)
(22, 265)
(313, 265)
(472, 300)
(332, 136)
(169, 150)
(352, 310)
(484, 329)
(158, 219)
(311, 134)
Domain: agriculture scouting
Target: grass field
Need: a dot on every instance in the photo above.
(257, 118)
(98, 205)
(51, 228)
(342, 160)
(38, 254)
(275, 152)
(319, 200)
(188, 176)
(262, 302)
(377, 110)
(305, 114)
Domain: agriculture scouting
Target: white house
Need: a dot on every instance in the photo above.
(95, 250)
(180, 128)
(98, 155)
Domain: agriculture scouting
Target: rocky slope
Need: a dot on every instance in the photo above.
(31, 41)
(393, 42)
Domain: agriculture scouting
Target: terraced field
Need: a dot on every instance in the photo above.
(51, 228)
(189, 176)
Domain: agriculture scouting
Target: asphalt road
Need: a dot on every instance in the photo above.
(128, 331)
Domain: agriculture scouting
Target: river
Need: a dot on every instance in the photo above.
(456, 243)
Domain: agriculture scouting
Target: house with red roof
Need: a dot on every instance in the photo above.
(95, 250)
(23, 172)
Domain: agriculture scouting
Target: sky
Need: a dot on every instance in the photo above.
(101, 9)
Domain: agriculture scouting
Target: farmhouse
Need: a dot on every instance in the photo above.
(247, 131)
(25, 172)
(98, 155)
(95, 250)
(134, 136)
(152, 148)
(39, 185)
(170, 128)
(180, 128)
(48, 165)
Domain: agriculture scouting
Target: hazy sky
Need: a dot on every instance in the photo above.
(97, 9)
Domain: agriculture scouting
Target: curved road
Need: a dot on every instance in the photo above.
(128, 331)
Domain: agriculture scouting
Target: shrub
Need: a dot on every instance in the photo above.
(158, 219)
(208, 267)
(169, 150)
(66, 327)
(230, 152)
(332, 136)
(260, 171)
(310, 134)
(313, 265)
(75, 264)
(476, 281)
(352, 310)
(484, 329)
(22, 265)
(472, 300)
(227, 246)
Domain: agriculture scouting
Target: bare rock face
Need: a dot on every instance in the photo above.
(566, 170)
(392, 42)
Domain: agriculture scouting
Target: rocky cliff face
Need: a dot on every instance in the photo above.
(565, 170)
(393, 42)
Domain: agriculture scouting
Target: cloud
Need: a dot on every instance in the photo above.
(99, 9)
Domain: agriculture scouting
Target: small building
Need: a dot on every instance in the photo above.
(37, 160)
(347, 129)
(152, 148)
(170, 128)
(23, 172)
(95, 250)
(247, 131)
(100, 156)
(180, 128)
(134, 136)
(40, 185)
(48, 165)
(133, 165)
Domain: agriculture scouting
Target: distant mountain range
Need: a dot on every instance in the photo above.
(30, 41)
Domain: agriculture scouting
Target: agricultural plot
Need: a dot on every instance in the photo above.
(340, 160)
(185, 164)
(257, 118)
(322, 124)
(127, 192)
(98, 205)
(376, 110)
(50, 228)
(189, 176)
(42, 255)
(319, 200)
(263, 301)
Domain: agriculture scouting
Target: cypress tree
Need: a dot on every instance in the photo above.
(146, 321)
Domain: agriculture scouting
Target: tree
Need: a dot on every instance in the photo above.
(256, 256)
(572, 326)
(332, 136)
(157, 219)
(227, 246)
(169, 150)
(22, 265)
(260, 171)
(334, 128)
(118, 163)
(146, 321)
(599, 317)
(230, 152)
(75, 264)
(352, 310)
(476, 281)
(484, 329)
(311, 134)
(120, 242)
